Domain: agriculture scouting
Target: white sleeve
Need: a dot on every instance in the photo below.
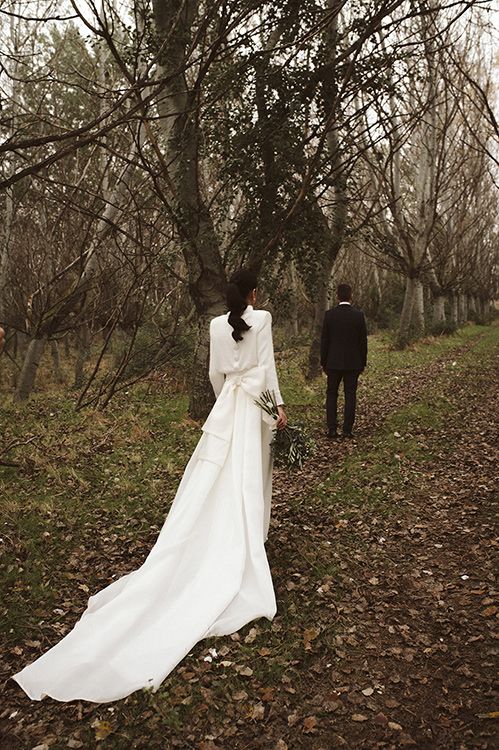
(216, 376)
(266, 359)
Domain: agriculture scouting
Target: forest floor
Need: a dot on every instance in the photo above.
(382, 552)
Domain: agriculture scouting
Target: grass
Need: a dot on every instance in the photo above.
(376, 473)
(91, 490)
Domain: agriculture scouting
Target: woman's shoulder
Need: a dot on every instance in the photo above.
(261, 318)
(219, 321)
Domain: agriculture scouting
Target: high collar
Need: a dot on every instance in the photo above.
(247, 310)
(345, 303)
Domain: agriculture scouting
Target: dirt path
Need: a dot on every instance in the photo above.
(412, 659)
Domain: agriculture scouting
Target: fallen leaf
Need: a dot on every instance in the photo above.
(267, 694)
(489, 611)
(257, 712)
(245, 671)
(251, 635)
(241, 695)
(359, 717)
(102, 729)
(391, 703)
(309, 635)
(310, 724)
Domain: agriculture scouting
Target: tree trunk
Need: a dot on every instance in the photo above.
(13, 353)
(419, 325)
(82, 355)
(462, 309)
(30, 368)
(439, 321)
(295, 323)
(56, 362)
(472, 305)
(404, 332)
(320, 307)
(378, 287)
(454, 315)
(201, 393)
(4, 251)
(480, 309)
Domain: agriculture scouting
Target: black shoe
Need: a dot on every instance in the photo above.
(347, 436)
(332, 435)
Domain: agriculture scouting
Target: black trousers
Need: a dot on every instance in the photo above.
(334, 378)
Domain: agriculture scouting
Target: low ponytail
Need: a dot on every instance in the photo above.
(241, 283)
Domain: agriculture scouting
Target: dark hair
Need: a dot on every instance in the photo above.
(344, 292)
(241, 283)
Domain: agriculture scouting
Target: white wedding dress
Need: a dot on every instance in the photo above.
(208, 573)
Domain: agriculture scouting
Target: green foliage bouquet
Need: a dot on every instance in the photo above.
(291, 446)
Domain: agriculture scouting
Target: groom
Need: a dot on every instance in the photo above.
(343, 357)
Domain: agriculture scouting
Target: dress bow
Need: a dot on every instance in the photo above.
(218, 428)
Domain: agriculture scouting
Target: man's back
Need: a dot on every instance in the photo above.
(344, 339)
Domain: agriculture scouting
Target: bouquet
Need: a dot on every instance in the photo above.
(291, 446)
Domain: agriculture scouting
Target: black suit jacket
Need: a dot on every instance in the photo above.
(344, 339)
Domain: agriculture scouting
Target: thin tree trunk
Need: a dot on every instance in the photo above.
(320, 307)
(13, 353)
(202, 397)
(377, 286)
(4, 251)
(56, 361)
(419, 324)
(294, 305)
(454, 312)
(30, 368)
(480, 309)
(462, 309)
(404, 332)
(82, 355)
(439, 321)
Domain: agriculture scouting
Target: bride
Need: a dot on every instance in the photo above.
(208, 573)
